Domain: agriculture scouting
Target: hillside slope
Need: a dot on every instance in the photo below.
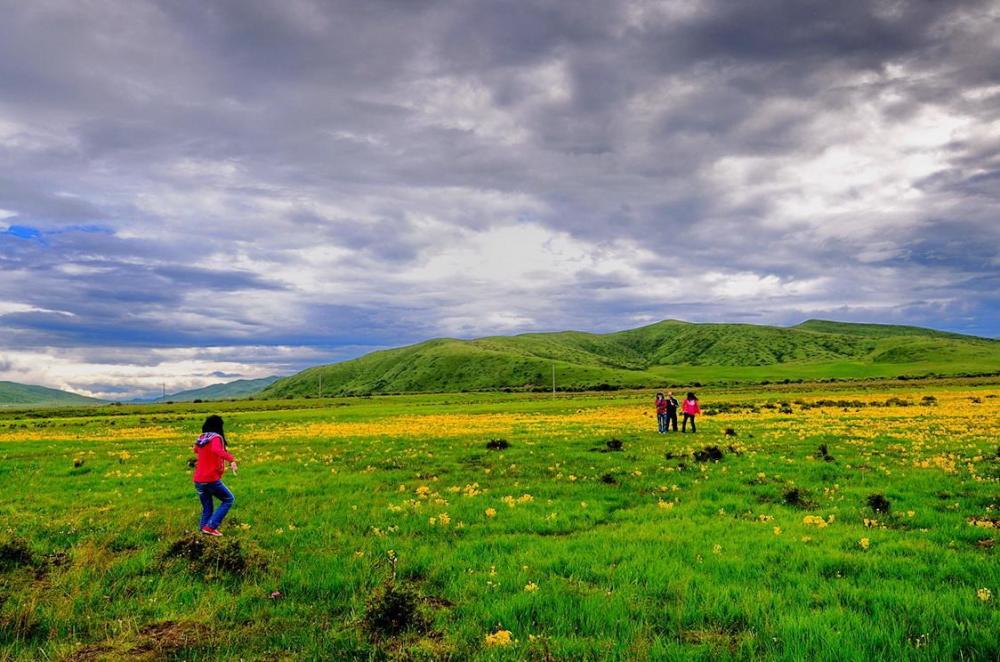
(12, 393)
(661, 353)
(241, 388)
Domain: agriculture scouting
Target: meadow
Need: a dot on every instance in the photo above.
(827, 522)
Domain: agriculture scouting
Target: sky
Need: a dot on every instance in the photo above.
(197, 191)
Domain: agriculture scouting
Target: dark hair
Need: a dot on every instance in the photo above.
(660, 394)
(214, 424)
(692, 396)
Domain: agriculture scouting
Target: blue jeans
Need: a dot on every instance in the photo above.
(211, 516)
(661, 422)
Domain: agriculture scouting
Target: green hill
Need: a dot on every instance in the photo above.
(241, 388)
(12, 393)
(668, 352)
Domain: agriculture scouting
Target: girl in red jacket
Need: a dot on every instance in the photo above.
(212, 458)
(690, 409)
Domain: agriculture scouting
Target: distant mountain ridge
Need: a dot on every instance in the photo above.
(12, 393)
(241, 388)
(666, 352)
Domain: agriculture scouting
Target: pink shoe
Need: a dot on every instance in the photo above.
(209, 531)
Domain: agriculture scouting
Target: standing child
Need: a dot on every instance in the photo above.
(212, 458)
(661, 413)
(691, 409)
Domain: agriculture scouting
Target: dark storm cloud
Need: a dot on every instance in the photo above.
(326, 174)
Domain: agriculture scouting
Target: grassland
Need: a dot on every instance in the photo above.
(350, 512)
(668, 352)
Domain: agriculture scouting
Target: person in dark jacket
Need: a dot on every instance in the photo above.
(212, 457)
(671, 406)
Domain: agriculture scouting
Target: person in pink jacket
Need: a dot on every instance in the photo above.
(690, 409)
(211, 449)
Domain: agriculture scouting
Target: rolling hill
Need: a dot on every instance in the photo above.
(241, 388)
(12, 393)
(668, 352)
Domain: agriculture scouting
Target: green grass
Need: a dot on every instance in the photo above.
(319, 494)
(668, 352)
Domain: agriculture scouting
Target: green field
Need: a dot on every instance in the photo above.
(383, 528)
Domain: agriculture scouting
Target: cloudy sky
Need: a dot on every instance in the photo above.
(197, 191)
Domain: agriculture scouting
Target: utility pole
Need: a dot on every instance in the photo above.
(164, 389)
(553, 379)
(321, 384)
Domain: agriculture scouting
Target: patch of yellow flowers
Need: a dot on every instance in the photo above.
(817, 521)
(500, 638)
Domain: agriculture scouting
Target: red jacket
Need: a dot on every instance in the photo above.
(212, 458)
(661, 405)
(691, 407)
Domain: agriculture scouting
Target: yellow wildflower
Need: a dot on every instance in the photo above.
(499, 638)
(814, 520)
(865, 543)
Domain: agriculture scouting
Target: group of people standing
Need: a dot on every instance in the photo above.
(666, 411)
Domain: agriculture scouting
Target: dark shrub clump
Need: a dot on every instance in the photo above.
(15, 552)
(823, 453)
(730, 432)
(497, 444)
(879, 503)
(797, 497)
(708, 454)
(392, 610)
(614, 444)
(609, 479)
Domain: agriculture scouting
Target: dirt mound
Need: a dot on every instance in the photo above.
(212, 556)
(155, 641)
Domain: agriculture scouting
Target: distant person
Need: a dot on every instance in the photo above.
(691, 409)
(661, 413)
(212, 458)
(672, 406)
